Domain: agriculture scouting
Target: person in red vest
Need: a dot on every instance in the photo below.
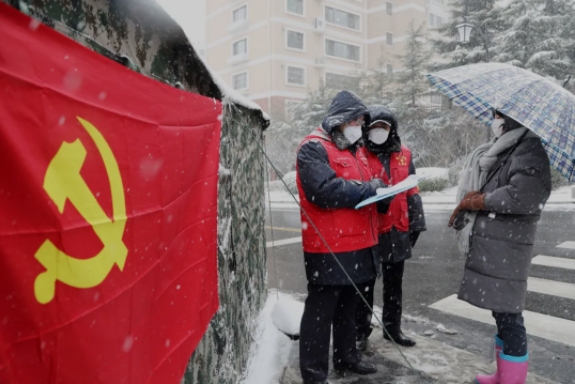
(398, 229)
(333, 176)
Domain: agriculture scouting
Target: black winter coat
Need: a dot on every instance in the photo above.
(502, 239)
(324, 189)
(327, 191)
(395, 246)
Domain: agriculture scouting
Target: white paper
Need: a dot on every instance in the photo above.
(382, 193)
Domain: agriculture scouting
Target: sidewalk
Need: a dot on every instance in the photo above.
(560, 199)
(433, 361)
(275, 358)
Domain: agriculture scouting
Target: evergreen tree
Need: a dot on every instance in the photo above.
(283, 137)
(376, 85)
(411, 80)
(485, 18)
(540, 36)
(309, 114)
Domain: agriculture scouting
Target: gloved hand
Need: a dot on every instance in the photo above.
(413, 236)
(375, 184)
(388, 200)
(473, 201)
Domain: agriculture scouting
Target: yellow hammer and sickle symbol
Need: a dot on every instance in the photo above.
(64, 182)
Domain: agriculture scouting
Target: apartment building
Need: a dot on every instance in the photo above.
(276, 51)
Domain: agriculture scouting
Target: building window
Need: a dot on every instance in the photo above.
(295, 6)
(295, 40)
(390, 69)
(435, 21)
(240, 81)
(389, 8)
(342, 18)
(342, 50)
(240, 47)
(342, 82)
(296, 75)
(389, 38)
(240, 14)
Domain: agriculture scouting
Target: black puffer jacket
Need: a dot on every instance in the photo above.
(395, 246)
(322, 187)
(501, 243)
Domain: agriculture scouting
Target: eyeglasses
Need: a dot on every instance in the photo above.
(356, 122)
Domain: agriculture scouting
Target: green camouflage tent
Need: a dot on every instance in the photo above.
(141, 36)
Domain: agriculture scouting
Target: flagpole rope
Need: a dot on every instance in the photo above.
(272, 232)
(335, 257)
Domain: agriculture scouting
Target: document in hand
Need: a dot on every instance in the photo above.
(384, 193)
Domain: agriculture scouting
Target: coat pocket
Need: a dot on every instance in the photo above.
(346, 168)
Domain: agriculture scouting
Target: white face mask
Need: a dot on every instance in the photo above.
(378, 135)
(352, 133)
(497, 127)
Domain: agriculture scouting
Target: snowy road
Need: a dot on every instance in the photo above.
(432, 277)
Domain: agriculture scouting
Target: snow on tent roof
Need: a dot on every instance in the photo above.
(228, 94)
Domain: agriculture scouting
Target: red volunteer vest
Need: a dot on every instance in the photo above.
(398, 215)
(343, 229)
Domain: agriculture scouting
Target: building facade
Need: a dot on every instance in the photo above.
(276, 51)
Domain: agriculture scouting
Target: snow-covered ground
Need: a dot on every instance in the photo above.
(274, 356)
(271, 350)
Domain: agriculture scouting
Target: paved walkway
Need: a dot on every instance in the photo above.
(434, 362)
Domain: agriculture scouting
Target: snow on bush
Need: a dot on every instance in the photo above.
(290, 180)
(433, 179)
(432, 173)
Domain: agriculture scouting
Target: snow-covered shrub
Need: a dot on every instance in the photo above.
(275, 186)
(557, 179)
(290, 180)
(431, 185)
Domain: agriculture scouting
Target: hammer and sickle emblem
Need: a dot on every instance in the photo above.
(64, 182)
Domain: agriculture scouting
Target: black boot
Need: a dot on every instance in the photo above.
(399, 338)
(363, 346)
(361, 343)
(361, 368)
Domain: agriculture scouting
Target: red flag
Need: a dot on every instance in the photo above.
(108, 215)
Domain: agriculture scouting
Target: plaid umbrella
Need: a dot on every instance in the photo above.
(537, 103)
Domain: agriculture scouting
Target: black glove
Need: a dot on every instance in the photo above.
(413, 236)
(375, 184)
(388, 200)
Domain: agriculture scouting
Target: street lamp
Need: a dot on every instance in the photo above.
(464, 31)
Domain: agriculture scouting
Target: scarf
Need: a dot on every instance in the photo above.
(475, 171)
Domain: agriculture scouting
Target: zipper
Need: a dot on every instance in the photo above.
(370, 208)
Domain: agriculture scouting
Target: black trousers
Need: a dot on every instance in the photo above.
(327, 304)
(392, 301)
(511, 329)
(363, 314)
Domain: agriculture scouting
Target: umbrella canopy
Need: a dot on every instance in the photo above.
(537, 103)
